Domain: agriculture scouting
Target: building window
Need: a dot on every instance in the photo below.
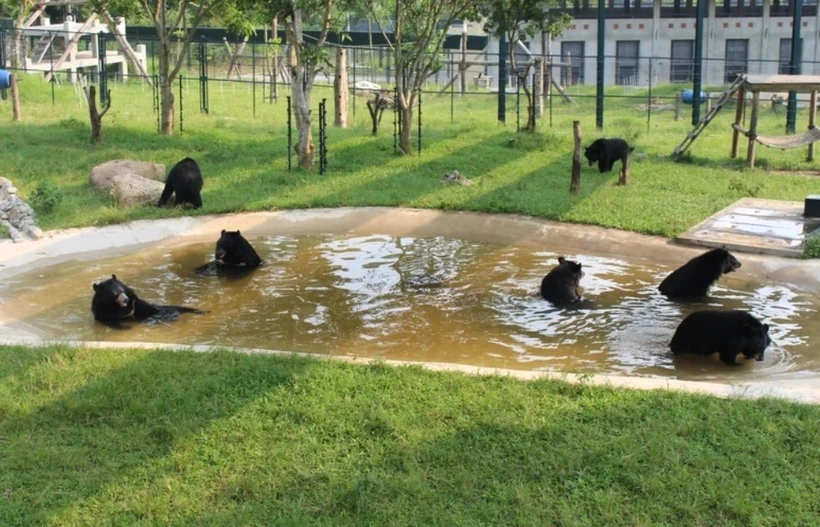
(626, 62)
(737, 56)
(784, 65)
(682, 63)
(573, 53)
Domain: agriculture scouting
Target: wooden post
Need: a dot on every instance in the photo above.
(677, 106)
(750, 153)
(812, 116)
(575, 183)
(340, 88)
(15, 97)
(708, 104)
(739, 107)
(569, 69)
(624, 178)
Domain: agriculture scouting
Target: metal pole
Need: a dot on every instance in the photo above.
(518, 104)
(649, 98)
(599, 80)
(53, 80)
(794, 69)
(502, 79)
(419, 122)
(203, 75)
(452, 99)
(698, 73)
(102, 66)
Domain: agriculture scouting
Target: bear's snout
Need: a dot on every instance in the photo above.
(122, 300)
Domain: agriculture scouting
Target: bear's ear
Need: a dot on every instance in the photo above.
(223, 231)
(238, 233)
(579, 266)
(561, 259)
(114, 276)
(765, 328)
(95, 285)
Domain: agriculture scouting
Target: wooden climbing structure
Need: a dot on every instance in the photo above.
(755, 84)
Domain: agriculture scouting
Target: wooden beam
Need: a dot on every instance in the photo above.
(126, 47)
(739, 107)
(750, 152)
(72, 44)
(35, 15)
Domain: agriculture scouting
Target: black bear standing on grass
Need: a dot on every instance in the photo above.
(114, 302)
(233, 255)
(560, 286)
(606, 152)
(696, 276)
(728, 333)
(185, 182)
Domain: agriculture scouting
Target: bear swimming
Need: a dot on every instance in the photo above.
(114, 302)
(696, 276)
(185, 181)
(560, 285)
(606, 152)
(728, 333)
(233, 254)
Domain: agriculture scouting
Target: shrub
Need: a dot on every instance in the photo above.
(45, 197)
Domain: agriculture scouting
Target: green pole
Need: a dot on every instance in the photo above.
(599, 81)
(502, 79)
(794, 67)
(698, 80)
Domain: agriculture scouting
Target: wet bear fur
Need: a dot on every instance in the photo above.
(560, 285)
(728, 333)
(606, 151)
(233, 255)
(696, 276)
(114, 302)
(185, 182)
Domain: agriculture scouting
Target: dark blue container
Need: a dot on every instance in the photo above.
(687, 95)
(5, 79)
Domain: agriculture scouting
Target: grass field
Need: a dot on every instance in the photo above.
(245, 158)
(129, 437)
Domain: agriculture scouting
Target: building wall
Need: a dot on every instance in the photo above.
(656, 34)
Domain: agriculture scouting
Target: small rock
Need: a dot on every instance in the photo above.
(455, 177)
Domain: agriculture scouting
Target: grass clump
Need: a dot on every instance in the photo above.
(811, 247)
(178, 438)
(46, 197)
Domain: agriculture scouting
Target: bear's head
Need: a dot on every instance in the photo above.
(571, 268)
(591, 154)
(230, 248)
(730, 263)
(114, 297)
(757, 340)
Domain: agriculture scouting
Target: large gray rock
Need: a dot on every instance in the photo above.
(129, 190)
(101, 175)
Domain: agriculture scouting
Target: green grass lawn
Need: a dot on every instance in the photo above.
(244, 159)
(130, 437)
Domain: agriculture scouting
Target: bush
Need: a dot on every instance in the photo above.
(811, 248)
(45, 197)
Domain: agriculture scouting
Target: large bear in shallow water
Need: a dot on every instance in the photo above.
(233, 255)
(728, 333)
(695, 277)
(560, 285)
(185, 182)
(606, 151)
(114, 302)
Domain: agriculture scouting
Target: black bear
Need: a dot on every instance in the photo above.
(696, 276)
(114, 302)
(560, 286)
(185, 182)
(728, 333)
(606, 152)
(233, 255)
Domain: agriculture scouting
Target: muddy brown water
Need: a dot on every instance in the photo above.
(421, 299)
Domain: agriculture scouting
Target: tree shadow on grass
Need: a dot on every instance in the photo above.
(123, 422)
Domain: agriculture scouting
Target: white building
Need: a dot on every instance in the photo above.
(654, 40)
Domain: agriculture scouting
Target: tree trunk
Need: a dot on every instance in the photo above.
(166, 87)
(406, 131)
(300, 91)
(529, 96)
(15, 98)
(575, 181)
(94, 115)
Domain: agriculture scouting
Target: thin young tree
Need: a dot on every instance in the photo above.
(515, 20)
(419, 30)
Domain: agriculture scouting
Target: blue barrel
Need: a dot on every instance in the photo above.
(5, 79)
(687, 95)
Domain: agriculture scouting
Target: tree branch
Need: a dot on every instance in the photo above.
(186, 43)
(107, 104)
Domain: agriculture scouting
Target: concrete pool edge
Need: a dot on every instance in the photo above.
(97, 242)
(808, 392)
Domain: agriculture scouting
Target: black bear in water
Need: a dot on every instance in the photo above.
(560, 285)
(114, 302)
(233, 255)
(696, 276)
(606, 152)
(728, 333)
(185, 182)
